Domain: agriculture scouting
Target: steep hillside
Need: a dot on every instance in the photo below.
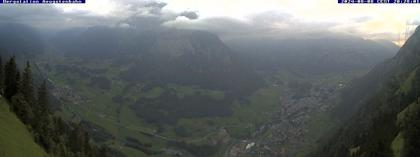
(32, 109)
(383, 110)
(15, 140)
(367, 86)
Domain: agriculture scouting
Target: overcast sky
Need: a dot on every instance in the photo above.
(228, 18)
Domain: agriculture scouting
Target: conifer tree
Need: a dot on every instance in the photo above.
(11, 80)
(42, 101)
(27, 84)
(49, 131)
(22, 109)
(18, 82)
(42, 117)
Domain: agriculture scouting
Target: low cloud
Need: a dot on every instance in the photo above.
(154, 15)
(190, 15)
(361, 19)
(151, 15)
(262, 25)
(47, 17)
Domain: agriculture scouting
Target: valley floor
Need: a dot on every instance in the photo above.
(284, 118)
(295, 126)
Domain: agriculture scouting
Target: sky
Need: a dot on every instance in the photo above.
(232, 19)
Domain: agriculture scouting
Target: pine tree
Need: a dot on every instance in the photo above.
(27, 85)
(18, 82)
(22, 109)
(43, 99)
(77, 139)
(52, 133)
(11, 80)
(42, 117)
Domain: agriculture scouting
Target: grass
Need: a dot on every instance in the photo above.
(397, 145)
(154, 93)
(245, 119)
(401, 117)
(319, 123)
(354, 151)
(15, 140)
(261, 103)
(183, 91)
(407, 84)
(317, 127)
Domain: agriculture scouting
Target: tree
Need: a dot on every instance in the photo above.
(18, 82)
(27, 84)
(43, 99)
(22, 109)
(1, 76)
(42, 117)
(11, 81)
(49, 131)
(77, 139)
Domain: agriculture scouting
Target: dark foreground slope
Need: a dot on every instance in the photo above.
(383, 110)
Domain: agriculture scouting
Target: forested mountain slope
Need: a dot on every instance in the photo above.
(27, 125)
(383, 110)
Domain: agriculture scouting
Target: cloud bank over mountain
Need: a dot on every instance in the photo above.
(233, 19)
